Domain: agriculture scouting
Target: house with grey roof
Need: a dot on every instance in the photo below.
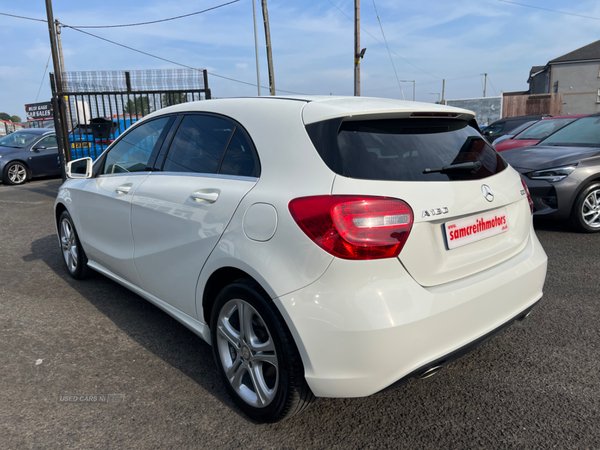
(576, 75)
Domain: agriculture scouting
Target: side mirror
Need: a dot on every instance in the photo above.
(80, 168)
(37, 148)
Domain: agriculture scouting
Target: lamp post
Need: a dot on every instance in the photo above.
(436, 93)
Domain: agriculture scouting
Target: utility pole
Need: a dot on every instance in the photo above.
(61, 60)
(444, 91)
(485, 84)
(269, 53)
(256, 46)
(59, 111)
(357, 48)
(414, 87)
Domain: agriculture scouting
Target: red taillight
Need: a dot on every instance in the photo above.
(528, 194)
(354, 227)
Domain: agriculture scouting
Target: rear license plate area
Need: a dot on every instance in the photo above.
(475, 228)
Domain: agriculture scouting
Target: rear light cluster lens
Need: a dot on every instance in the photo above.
(528, 194)
(354, 227)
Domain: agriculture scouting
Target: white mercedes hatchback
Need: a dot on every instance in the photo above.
(324, 246)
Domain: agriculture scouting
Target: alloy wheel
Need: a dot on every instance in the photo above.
(590, 209)
(17, 174)
(247, 353)
(68, 244)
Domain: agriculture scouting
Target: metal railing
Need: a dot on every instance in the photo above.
(76, 112)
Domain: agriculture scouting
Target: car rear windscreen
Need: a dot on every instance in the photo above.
(405, 149)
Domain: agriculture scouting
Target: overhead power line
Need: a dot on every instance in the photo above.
(169, 60)
(492, 84)
(551, 10)
(388, 49)
(23, 17)
(401, 57)
(44, 76)
(129, 24)
(423, 83)
(77, 28)
(157, 21)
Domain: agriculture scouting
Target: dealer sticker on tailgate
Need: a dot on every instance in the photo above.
(475, 228)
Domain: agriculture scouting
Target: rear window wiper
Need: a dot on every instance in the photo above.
(470, 166)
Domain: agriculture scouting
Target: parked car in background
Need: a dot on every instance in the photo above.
(514, 132)
(506, 125)
(28, 153)
(537, 132)
(324, 246)
(82, 141)
(563, 173)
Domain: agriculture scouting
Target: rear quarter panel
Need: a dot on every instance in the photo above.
(290, 168)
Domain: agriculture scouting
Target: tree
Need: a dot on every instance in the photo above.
(139, 106)
(5, 116)
(15, 118)
(173, 98)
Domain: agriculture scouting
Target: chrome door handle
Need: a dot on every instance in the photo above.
(123, 189)
(209, 197)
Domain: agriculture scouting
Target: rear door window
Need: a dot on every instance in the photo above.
(199, 144)
(408, 150)
(239, 159)
(212, 145)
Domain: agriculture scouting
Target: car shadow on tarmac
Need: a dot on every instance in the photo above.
(551, 225)
(48, 190)
(145, 323)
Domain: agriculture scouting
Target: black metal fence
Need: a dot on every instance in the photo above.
(89, 99)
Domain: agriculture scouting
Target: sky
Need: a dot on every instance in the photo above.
(312, 40)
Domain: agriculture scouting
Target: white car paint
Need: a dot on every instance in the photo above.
(424, 256)
(103, 206)
(175, 229)
(365, 324)
(359, 325)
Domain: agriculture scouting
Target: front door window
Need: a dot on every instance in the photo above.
(132, 152)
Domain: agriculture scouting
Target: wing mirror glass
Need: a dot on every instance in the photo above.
(80, 168)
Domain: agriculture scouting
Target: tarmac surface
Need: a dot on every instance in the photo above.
(537, 385)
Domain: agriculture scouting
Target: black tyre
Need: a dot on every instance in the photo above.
(73, 255)
(256, 356)
(15, 173)
(585, 216)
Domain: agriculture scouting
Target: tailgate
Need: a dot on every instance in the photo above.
(501, 226)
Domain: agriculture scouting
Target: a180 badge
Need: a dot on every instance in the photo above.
(435, 212)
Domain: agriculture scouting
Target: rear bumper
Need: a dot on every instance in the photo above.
(432, 367)
(367, 325)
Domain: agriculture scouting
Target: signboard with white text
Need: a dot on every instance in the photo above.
(39, 111)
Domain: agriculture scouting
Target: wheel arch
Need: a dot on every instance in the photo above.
(58, 210)
(17, 160)
(592, 179)
(595, 178)
(217, 281)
